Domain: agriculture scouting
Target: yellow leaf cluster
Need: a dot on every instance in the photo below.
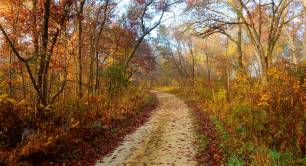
(74, 123)
(263, 101)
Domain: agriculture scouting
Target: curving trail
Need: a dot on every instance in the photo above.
(166, 139)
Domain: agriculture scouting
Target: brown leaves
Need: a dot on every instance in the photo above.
(59, 138)
(212, 154)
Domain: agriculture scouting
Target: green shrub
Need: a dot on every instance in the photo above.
(234, 161)
(115, 78)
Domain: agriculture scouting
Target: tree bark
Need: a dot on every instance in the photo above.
(239, 46)
(91, 65)
(97, 72)
(42, 81)
(192, 64)
(208, 66)
(80, 47)
(23, 83)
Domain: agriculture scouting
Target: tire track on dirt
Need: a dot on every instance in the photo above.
(166, 139)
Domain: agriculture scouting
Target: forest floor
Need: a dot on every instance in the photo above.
(168, 138)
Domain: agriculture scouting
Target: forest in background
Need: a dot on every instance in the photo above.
(75, 72)
(243, 64)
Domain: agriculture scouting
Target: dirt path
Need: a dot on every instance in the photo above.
(166, 139)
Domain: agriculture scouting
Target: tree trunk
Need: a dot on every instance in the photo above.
(91, 66)
(192, 64)
(227, 73)
(10, 73)
(208, 69)
(11, 69)
(42, 77)
(97, 72)
(239, 47)
(80, 46)
(264, 68)
(23, 83)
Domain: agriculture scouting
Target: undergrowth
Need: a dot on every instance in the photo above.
(78, 132)
(259, 124)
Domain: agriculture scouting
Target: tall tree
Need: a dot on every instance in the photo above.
(100, 20)
(271, 16)
(145, 16)
(80, 11)
(262, 21)
(43, 50)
